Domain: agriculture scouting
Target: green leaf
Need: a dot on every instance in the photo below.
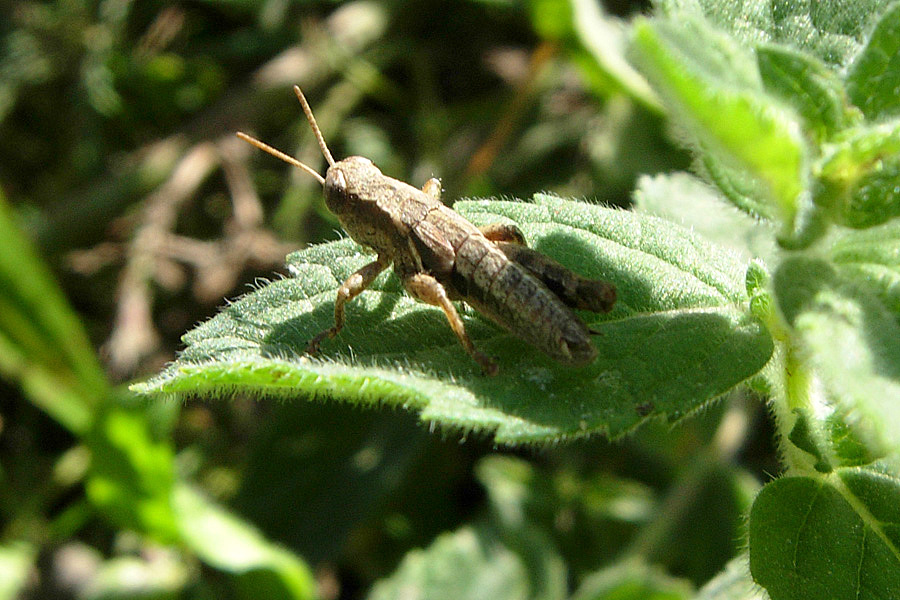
(42, 345)
(16, 563)
(853, 344)
(811, 88)
(829, 440)
(733, 583)
(685, 199)
(874, 76)
(859, 176)
(871, 258)
(713, 91)
(604, 38)
(475, 563)
(223, 541)
(832, 30)
(836, 538)
(132, 474)
(633, 580)
(677, 338)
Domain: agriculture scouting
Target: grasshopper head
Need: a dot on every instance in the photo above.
(347, 184)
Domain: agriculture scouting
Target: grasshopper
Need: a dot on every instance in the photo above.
(440, 257)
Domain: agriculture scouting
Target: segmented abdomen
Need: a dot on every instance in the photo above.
(500, 289)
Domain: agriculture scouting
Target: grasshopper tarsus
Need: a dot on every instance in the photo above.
(441, 257)
(312, 347)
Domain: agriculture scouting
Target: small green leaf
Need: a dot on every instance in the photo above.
(813, 89)
(836, 538)
(225, 542)
(859, 176)
(132, 475)
(713, 90)
(851, 341)
(874, 77)
(633, 580)
(871, 258)
(678, 337)
(475, 563)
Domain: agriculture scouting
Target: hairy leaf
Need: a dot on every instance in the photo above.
(832, 30)
(829, 538)
(871, 258)
(678, 337)
(853, 344)
(814, 90)
(713, 90)
(874, 76)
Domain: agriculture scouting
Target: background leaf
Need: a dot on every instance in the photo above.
(833, 30)
(874, 76)
(821, 539)
(713, 90)
(227, 543)
(475, 563)
(864, 377)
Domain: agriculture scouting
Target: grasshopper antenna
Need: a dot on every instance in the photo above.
(290, 159)
(314, 125)
(279, 154)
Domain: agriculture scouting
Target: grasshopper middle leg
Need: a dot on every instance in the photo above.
(429, 290)
(349, 290)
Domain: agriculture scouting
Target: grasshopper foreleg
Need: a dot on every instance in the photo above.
(429, 290)
(349, 290)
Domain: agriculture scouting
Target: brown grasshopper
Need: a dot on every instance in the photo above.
(440, 257)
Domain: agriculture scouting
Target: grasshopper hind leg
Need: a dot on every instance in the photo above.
(575, 291)
(429, 290)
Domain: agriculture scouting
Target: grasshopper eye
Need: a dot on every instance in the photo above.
(336, 182)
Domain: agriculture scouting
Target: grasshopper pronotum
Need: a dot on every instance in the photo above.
(440, 257)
